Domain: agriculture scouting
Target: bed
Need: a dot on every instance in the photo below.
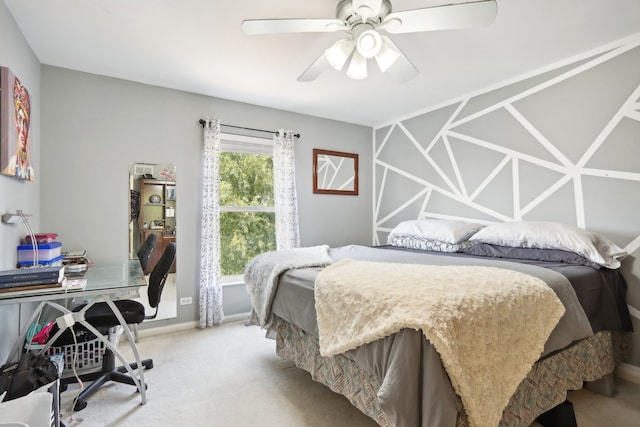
(405, 376)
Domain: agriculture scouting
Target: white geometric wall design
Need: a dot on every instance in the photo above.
(501, 155)
(457, 184)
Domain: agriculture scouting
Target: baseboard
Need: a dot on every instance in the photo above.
(167, 329)
(178, 327)
(238, 317)
(628, 372)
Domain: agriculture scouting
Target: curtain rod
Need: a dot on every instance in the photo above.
(203, 122)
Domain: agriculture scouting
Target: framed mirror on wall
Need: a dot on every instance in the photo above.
(335, 172)
(153, 212)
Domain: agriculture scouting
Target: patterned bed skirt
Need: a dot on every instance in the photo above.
(545, 386)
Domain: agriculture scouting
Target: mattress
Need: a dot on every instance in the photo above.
(601, 293)
(411, 386)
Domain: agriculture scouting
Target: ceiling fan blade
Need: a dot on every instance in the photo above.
(315, 69)
(272, 26)
(402, 69)
(449, 17)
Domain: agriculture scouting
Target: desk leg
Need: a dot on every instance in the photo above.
(138, 379)
(79, 316)
(134, 348)
(20, 343)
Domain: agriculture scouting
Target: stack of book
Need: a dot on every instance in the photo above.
(23, 279)
(76, 263)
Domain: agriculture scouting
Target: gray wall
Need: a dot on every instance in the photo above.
(93, 126)
(561, 144)
(15, 194)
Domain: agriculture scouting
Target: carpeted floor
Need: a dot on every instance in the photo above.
(230, 376)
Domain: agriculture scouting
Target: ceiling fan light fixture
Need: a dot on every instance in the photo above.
(369, 43)
(358, 67)
(386, 57)
(366, 21)
(339, 52)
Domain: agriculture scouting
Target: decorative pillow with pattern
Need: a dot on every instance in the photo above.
(427, 244)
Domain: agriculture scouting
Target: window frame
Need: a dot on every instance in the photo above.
(232, 143)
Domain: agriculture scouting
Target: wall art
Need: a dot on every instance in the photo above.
(15, 112)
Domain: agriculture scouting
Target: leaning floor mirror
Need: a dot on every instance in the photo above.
(153, 202)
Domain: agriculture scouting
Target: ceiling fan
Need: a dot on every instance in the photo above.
(364, 20)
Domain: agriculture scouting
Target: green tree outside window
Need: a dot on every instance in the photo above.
(247, 220)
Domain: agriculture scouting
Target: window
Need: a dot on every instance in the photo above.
(247, 214)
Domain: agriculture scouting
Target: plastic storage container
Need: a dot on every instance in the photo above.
(46, 252)
(41, 238)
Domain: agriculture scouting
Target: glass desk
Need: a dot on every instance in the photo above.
(105, 282)
(114, 278)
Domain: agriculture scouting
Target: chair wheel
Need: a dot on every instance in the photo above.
(148, 364)
(80, 405)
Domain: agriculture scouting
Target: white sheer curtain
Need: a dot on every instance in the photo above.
(286, 199)
(210, 276)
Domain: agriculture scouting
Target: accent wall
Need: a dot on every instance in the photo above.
(559, 144)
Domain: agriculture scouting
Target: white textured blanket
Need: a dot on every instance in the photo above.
(488, 324)
(261, 274)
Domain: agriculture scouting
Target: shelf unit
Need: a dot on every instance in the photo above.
(157, 216)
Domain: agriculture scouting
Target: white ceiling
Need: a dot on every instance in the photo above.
(198, 46)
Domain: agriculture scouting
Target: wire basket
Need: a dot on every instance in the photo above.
(87, 355)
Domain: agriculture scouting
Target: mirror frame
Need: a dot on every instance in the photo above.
(319, 152)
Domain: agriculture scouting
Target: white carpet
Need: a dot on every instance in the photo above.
(230, 376)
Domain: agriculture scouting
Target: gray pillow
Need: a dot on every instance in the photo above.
(549, 255)
(553, 235)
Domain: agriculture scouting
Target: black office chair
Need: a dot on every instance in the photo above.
(102, 318)
(157, 280)
(144, 253)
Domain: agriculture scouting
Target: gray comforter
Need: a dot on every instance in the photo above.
(415, 389)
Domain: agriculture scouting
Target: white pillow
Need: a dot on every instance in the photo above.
(552, 235)
(443, 230)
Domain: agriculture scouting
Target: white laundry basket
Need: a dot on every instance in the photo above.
(32, 410)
